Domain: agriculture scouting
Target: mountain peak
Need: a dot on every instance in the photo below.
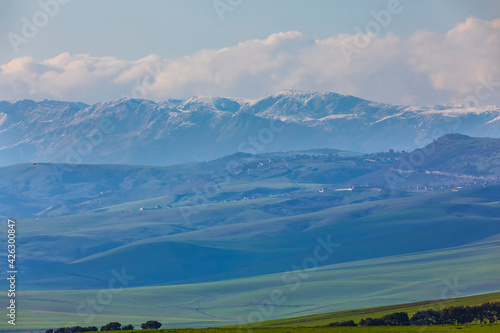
(202, 128)
(307, 93)
(453, 137)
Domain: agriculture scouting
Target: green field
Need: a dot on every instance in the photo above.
(408, 329)
(247, 238)
(316, 322)
(313, 323)
(332, 288)
(377, 312)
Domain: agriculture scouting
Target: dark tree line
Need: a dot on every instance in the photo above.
(113, 326)
(343, 323)
(72, 329)
(487, 313)
(393, 319)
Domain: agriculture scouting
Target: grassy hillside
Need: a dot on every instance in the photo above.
(226, 240)
(377, 312)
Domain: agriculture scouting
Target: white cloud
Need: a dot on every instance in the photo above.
(425, 68)
(456, 61)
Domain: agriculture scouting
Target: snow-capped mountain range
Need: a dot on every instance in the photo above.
(144, 132)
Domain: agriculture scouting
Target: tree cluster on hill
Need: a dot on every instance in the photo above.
(455, 315)
(393, 319)
(73, 329)
(113, 326)
(484, 314)
(151, 325)
(343, 323)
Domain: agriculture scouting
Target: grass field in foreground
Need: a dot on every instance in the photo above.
(408, 329)
(333, 288)
(309, 323)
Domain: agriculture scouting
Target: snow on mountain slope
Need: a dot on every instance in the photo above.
(200, 128)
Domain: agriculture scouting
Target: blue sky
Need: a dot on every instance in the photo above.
(114, 36)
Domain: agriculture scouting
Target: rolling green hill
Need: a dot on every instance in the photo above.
(251, 237)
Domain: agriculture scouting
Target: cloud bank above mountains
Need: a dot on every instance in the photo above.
(426, 68)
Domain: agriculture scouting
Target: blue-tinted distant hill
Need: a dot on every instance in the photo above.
(45, 189)
(453, 159)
